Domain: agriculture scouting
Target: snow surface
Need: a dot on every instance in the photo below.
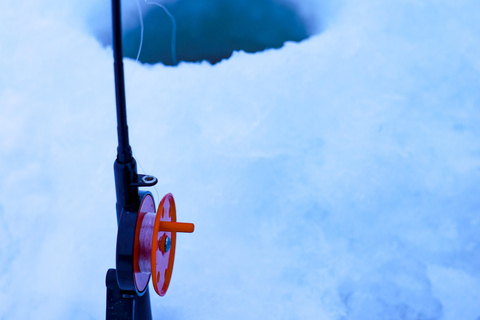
(337, 178)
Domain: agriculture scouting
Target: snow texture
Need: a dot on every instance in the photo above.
(337, 178)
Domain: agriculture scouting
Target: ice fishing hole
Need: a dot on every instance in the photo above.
(208, 30)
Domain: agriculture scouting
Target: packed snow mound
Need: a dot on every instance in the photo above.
(337, 178)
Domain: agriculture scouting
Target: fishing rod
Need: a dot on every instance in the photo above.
(146, 237)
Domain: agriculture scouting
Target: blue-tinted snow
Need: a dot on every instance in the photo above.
(337, 178)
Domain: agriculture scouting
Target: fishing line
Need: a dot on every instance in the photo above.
(142, 28)
(140, 16)
(140, 46)
(174, 29)
(143, 172)
(142, 32)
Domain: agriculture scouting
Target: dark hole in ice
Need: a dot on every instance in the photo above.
(210, 29)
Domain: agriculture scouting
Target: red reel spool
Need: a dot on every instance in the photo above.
(155, 239)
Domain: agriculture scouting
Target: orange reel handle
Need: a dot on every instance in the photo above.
(169, 226)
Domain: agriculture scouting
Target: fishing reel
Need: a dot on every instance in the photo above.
(146, 243)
